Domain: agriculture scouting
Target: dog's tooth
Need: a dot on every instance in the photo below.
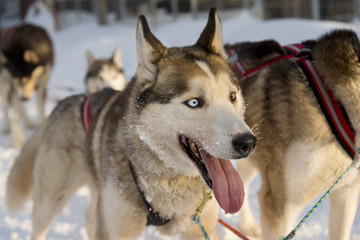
(192, 145)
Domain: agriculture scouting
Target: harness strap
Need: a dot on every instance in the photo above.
(335, 114)
(85, 113)
(333, 110)
(246, 74)
(153, 217)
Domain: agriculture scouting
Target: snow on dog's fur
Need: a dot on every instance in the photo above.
(178, 122)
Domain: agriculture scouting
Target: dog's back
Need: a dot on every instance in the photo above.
(298, 155)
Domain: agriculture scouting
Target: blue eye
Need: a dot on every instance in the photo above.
(232, 97)
(193, 103)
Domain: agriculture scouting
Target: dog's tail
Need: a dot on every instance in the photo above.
(20, 178)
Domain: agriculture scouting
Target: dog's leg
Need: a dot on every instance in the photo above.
(6, 98)
(343, 205)
(16, 130)
(40, 98)
(90, 215)
(120, 216)
(272, 205)
(208, 217)
(44, 212)
(41, 94)
(6, 129)
(47, 206)
(248, 225)
(56, 178)
(28, 123)
(6, 92)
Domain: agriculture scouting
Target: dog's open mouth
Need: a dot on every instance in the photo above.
(218, 173)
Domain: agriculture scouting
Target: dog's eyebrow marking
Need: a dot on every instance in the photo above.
(206, 69)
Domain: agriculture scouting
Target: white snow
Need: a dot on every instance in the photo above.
(70, 65)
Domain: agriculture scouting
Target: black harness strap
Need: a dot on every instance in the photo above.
(153, 217)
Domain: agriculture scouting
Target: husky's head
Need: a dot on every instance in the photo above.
(191, 110)
(105, 73)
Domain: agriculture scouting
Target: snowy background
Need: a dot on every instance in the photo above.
(70, 66)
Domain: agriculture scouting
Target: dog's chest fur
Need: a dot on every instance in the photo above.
(114, 140)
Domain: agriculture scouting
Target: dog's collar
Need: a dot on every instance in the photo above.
(333, 110)
(153, 217)
(85, 114)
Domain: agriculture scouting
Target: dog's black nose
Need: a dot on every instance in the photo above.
(244, 144)
(25, 99)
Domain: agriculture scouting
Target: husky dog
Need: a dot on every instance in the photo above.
(150, 150)
(51, 165)
(27, 57)
(104, 72)
(298, 156)
(171, 131)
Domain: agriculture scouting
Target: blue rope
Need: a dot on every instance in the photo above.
(197, 221)
(355, 164)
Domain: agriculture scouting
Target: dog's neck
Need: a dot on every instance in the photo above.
(165, 188)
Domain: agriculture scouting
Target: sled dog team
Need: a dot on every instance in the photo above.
(146, 149)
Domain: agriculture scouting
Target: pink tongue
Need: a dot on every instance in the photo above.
(227, 184)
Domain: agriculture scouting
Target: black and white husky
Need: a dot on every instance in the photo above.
(26, 60)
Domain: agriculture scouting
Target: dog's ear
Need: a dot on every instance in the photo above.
(31, 56)
(89, 57)
(149, 51)
(116, 58)
(211, 38)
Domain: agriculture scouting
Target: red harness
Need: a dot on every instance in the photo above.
(335, 114)
(85, 113)
(4, 36)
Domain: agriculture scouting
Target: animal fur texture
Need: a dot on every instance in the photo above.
(298, 156)
(104, 73)
(27, 58)
(178, 122)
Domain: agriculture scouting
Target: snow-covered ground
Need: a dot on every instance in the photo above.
(70, 65)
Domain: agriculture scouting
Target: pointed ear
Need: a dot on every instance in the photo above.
(89, 57)
(116, 58)
(211, 37)
(149, 51)
(31, 56)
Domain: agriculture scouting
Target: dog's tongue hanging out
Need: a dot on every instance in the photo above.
(227, 184)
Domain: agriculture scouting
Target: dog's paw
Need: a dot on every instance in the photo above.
(251, 229)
